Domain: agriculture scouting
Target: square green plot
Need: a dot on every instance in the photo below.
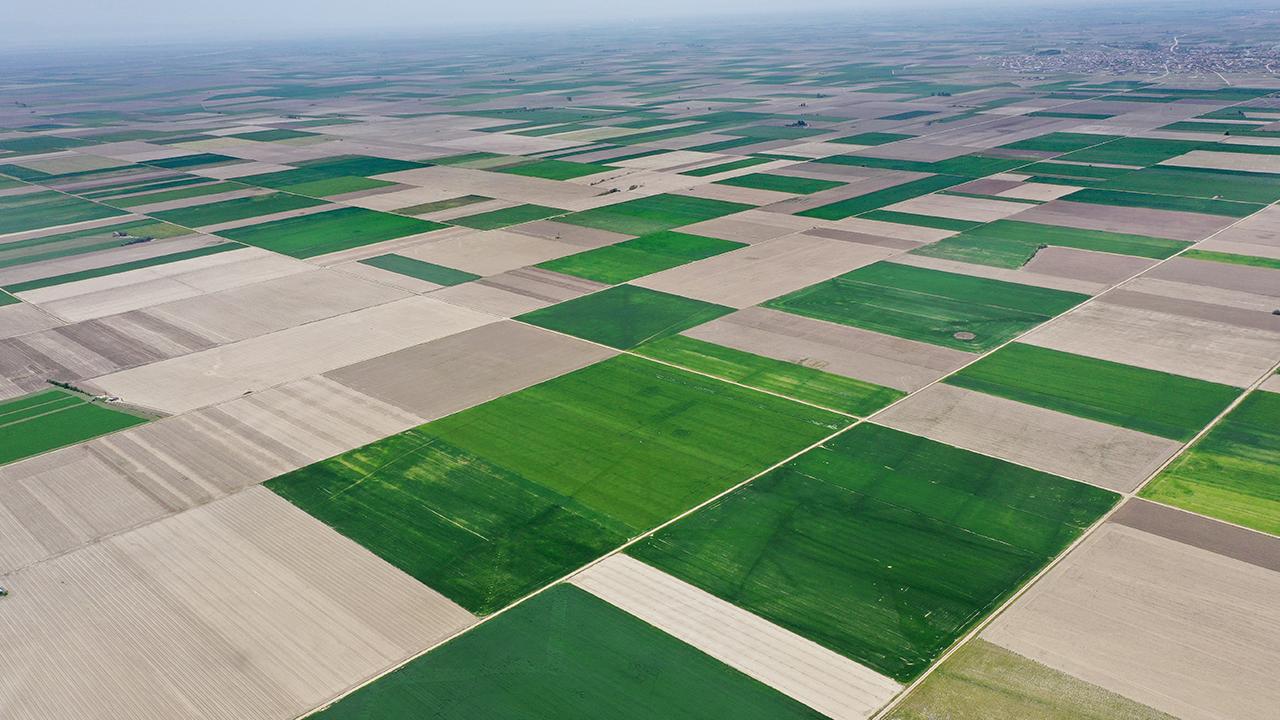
(1012, 243)
(51, 419)
(871, 138)
(567, 654)
(882, 546)
(552, 169)
(807, 384)
(641, 256)
(656, 213)
(330, 231)
(238, 209)
(625, 316)
(420, 269)
(1158, 403)
(1233, 472)
(781, 183)
(949, 309)
(842, 209)
(485, 520)
(516, 215)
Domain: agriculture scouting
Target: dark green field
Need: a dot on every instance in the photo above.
(903, 218)
(516, 215)
(882, 546)
(1241, 186)
(656, 213)
(781, 183)
(625, 316)
(567, 654)
(325, 232)
(1170, 406)
(828, 390)
(872, 138)
(484, 520)
(1227, 208)
(1233, 472)
(420, 269)
(725, 166)
(929, 305)
(51, 419)
(1012, 244)
(875, 200)
(641, 256)
(1134, 151)
(180, 193)
(237, 209)
(47, 209)
(552, 169)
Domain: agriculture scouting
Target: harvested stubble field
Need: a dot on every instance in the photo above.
(1012, 243)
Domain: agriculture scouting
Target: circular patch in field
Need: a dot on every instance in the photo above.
(964, 335)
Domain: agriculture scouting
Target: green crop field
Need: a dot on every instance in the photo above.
(1199, 182)
(91, 273)
(552, 169)
(331, 168)
(641, 256)
(726, 166)
(567, 654)
(77, 242)
(872, 138)
(273, 135)
(515, 215)
(419, 269)
(484, 520)
(1233, 472)
(37, 210)
(930, 221)
(1227, 208)
(828, 390)
(180, 193)
(875, 200)
(781, 183)
(196, 160)
(625, 316)
(1162, 404)
(7, 299)
(330, 231)
(336, 186)
(1134, 151)
(51, 419)
(237, 209)
(929, 305)
(882, 546)
(983, 681)
(1012, 244)
(1233, 259)
(656, 213)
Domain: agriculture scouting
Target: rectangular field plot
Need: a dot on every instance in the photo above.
(321, 233)
(625, 316)
(1162, 404)
(642, 256)
(42, 421)
(653, 214)
(781, 183)
(841, 209)
(1175, 203)
(948, 309)
(495, 219)
(1201, 182)
(982, 681)
(237, 209)
(552, 169)
(882, 546)
(828, 390)
(1233, 472)
(420, 269)
(1012, 244)
(567, 654)
(47, 209)
(458, 505)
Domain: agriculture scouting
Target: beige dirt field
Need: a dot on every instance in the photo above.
(959, 207)
(243, 609)
(1175, 627)
(489, 252)
(22, 318)
(1086, 265)
(1105, 455)
(828, 682)
(751, 226)
(1249, 162)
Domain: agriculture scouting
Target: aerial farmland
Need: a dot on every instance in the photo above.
(860, 368)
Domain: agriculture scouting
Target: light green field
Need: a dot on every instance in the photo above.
(325, 232)
(1012, 244)
(516, 215)
(652, 214)
(625, 316)
(781, 183)
(641, 256)
(237, 209)
(51, 419)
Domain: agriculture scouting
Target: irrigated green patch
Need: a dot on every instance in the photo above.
(273, 135)
(872, 138)
(1202, 183)
(929, 305)
(1159, 403)
(841, 209)
(567, 654)
(485, 520)
(1233, 472)
(1228, 208)
(439, 205)
(420, 269)
(197, 160)
(983, 681)
(330, 231)
(180, 193)
(1060, 142)
(51, 419)
(641, 256)
(336, 186)
(1134, 151)
(902, 218)
(656, 213)
(552, 169)
(516, 215)
(781, 183)
(810, 385)
(882, 546)
(625, 316)
(237, 209)
(33, 211)
(78, 242)
(1012, 243)
(1233, 259)
(726, 166)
